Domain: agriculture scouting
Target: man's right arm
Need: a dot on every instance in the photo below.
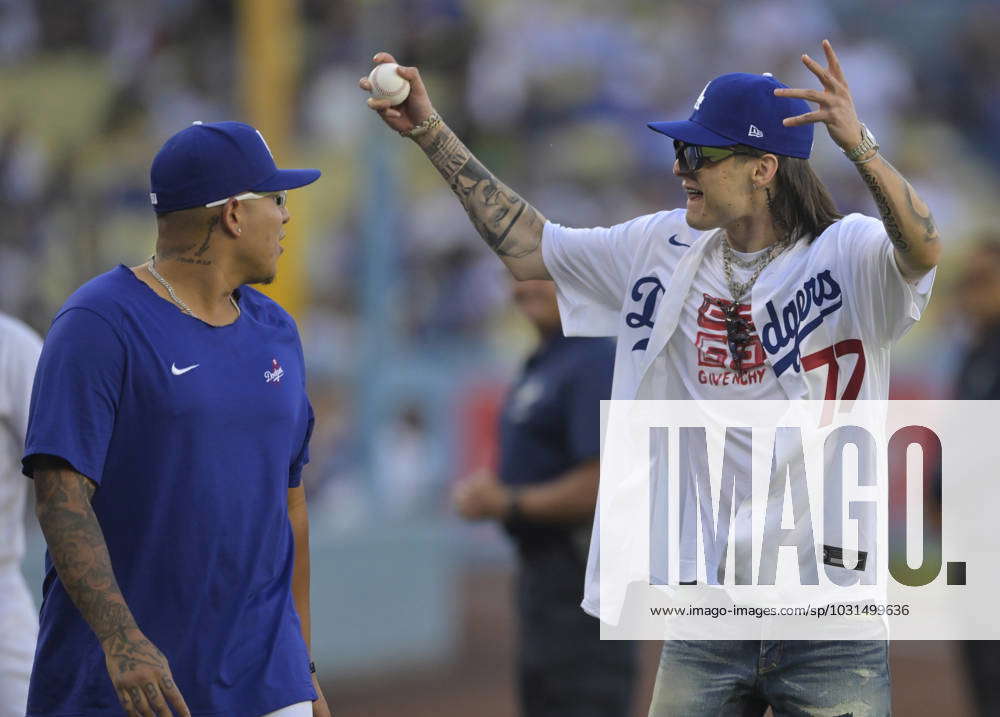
(509, 225)
(139, 671)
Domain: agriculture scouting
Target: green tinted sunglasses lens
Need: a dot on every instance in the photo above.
(716, 154)
(693, 157)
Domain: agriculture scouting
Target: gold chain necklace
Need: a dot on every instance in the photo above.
(173, 294)
(739, 289)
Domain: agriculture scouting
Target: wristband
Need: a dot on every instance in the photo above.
(513, 513)
(423, 127)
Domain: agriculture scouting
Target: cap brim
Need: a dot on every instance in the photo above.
(691, 133)
(287, 179)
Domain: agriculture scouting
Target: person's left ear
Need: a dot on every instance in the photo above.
(764, 170)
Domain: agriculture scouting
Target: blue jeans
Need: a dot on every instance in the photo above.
(796, 678)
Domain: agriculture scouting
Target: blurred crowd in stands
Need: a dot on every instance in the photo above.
(553, 95)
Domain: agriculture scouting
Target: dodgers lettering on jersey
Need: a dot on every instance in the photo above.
(645, 292)
(795, 321)
(829, 309)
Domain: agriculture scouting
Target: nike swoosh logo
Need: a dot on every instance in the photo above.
(181, 371)
(673, 240)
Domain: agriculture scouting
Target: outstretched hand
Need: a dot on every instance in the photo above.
(409, 113)
(836, 107)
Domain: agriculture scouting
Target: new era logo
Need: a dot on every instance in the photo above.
(754, 132)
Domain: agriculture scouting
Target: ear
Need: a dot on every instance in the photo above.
(230, 219)
(765, 169)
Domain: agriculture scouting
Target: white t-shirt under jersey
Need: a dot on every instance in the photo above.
(698, 355)
(644, 282)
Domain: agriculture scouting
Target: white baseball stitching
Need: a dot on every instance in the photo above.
(382, 91)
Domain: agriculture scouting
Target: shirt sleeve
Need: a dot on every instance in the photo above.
(77, 388)
(591, 268)
(590, 384)
(302, 458)
(888, 302)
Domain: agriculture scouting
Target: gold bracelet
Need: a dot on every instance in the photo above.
(422, 128)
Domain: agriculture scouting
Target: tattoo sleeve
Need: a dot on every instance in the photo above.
(78, 549)
(510, 226)
(908, 221)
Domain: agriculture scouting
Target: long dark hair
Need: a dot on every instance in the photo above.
(799, 202)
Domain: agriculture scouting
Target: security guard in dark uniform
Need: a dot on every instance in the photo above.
(545, 496)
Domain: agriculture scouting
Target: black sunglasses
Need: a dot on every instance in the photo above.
(692, 157)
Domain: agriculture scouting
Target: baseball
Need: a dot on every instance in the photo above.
(386, 83)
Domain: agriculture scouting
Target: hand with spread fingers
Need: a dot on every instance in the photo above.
(413, 110)
(836, 107)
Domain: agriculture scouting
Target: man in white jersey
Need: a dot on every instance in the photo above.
(757, 289)
(19, 350)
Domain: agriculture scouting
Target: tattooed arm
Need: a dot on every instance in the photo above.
(907, 220)
(139, 671)
(508, 224)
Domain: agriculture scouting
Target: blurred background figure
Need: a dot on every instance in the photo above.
(544, 495)
(978, 378)
(406, 326)
(19, 350)
(978, 298)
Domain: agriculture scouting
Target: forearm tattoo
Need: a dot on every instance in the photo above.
(510, 226)
(915, 216)
(79, 552)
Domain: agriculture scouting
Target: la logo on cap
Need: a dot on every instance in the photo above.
(265, 143)
(701, 97)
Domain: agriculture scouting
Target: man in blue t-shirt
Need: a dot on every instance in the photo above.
(168, 428)
(545, 493)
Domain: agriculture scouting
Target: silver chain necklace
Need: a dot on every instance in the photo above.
(739, 289)
(173, 294)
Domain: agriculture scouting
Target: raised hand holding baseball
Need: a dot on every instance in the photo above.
(403, 114)
(836, 107)
(387, 83)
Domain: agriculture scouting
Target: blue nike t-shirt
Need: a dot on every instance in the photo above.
(193, 434)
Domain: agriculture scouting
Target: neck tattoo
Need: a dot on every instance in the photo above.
(151, 265)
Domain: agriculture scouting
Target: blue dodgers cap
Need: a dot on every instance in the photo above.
(207, 162)
(742, 109)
